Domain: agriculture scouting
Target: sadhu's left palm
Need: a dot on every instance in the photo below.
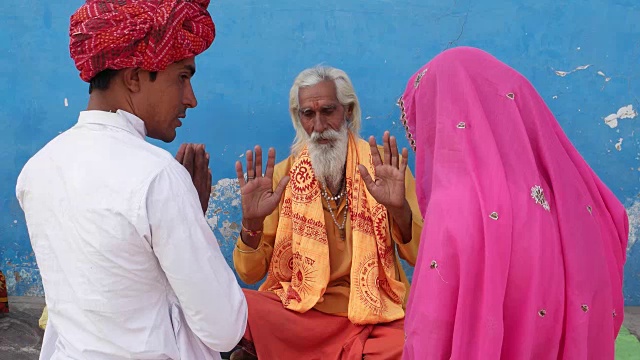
(388, 186)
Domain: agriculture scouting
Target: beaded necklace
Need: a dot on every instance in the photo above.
(336, 198)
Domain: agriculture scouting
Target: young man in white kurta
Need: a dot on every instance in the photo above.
(129, 265)
(130, 268)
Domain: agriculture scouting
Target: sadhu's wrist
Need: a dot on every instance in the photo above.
(252, 225)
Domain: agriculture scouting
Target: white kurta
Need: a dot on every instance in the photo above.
(130, 268)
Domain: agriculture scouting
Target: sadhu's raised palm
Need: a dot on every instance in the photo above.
(259, 199)
(388, 186)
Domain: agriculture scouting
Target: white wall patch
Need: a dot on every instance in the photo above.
(625, 112)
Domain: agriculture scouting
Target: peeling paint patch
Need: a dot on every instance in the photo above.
(225, 190)
(633, 212)
(225, 208)
(606, 79)
(229, 230)
(619, 145)
(625, 112)
(24, 281)
(224, 215)
(565, 73)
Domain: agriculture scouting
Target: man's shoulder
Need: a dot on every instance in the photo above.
(47, 152)
(161, 156)
(77, 152)
(145, 160)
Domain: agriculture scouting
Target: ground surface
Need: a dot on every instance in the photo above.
(21, 338)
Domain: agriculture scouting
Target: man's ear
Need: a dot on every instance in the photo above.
(131, 79)
(350, 111)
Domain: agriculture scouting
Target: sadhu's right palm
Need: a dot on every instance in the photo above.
(259, 199)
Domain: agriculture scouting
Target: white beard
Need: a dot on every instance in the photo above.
(328, 160)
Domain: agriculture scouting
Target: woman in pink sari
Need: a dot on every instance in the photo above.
(523, 246)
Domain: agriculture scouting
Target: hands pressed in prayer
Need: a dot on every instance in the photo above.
(388, 188)
(196, 160)
(259, 198)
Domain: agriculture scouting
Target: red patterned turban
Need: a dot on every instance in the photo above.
(149, 34)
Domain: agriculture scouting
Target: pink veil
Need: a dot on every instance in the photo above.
(523, 247)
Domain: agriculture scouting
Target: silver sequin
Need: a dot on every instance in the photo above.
(589, 209)
(418, 78)
(461, 125)
(511, 96)
(585, 307)
(494, 215)
(403, 120)
(538, 195)
(434, 264)
(542, 313)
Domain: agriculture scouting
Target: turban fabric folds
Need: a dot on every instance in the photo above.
(149, 34)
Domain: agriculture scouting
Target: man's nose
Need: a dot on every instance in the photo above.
(189, 99)
(319, 123)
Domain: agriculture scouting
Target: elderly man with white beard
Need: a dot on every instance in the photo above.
(325, 226)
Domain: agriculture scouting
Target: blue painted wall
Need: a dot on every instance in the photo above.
(583, 59)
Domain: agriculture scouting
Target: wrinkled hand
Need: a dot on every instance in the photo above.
(196, 160)
(259, 199)
(388, 186)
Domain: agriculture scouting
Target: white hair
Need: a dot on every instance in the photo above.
(328, 160)
(344, 90)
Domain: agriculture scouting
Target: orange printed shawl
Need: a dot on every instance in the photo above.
(299, 268)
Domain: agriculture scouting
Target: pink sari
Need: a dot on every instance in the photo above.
(523, 246)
